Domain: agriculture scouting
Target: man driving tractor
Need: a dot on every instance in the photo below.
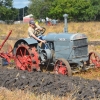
(32, 31)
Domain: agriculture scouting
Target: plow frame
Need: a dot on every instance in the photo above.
(8, 56)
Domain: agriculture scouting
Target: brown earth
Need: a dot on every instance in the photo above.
(58, 85)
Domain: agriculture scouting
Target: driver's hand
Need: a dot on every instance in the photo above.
(43, 41)
(41, 28)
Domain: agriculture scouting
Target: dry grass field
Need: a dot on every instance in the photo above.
(91, 29)
(21, 95)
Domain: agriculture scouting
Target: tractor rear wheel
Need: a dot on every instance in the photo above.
(62, 67)
(27, 57)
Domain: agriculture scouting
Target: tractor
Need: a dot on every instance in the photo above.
(65, 52)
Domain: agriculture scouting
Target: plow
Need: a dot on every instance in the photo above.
(67, 53)
(8, 55)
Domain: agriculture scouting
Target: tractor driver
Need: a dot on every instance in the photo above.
(31, 31)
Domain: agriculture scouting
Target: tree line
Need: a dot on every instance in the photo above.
(78, 10)
(9, 13)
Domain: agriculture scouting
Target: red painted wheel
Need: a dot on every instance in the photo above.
(94, 58)
(27, 58)
(62, 67)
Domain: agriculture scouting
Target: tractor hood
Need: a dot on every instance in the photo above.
(64, 36)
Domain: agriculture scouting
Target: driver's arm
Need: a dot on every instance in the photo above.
(33, 35)
(37, 38)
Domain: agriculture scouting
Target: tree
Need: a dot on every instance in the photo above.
(78, 10)
(39, 8)
(6, 10)
(6, 3)
(22, 12)
(96, 6)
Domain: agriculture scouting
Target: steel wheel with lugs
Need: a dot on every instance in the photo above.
(62, 67)
(94, 58)
(27, 57)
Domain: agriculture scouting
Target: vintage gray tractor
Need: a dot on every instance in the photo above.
(66, 52)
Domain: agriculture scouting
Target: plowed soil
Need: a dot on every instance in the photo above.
(58, 85)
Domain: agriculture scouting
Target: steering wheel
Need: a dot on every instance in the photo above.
(40, 32)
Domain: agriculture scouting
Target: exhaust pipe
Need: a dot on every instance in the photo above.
(65, 20)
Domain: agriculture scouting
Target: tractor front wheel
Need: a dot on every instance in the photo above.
(94, 58)
(62, 67)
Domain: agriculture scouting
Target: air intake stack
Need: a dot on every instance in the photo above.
(65, 20)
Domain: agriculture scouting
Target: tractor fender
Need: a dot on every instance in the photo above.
(28, 41)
